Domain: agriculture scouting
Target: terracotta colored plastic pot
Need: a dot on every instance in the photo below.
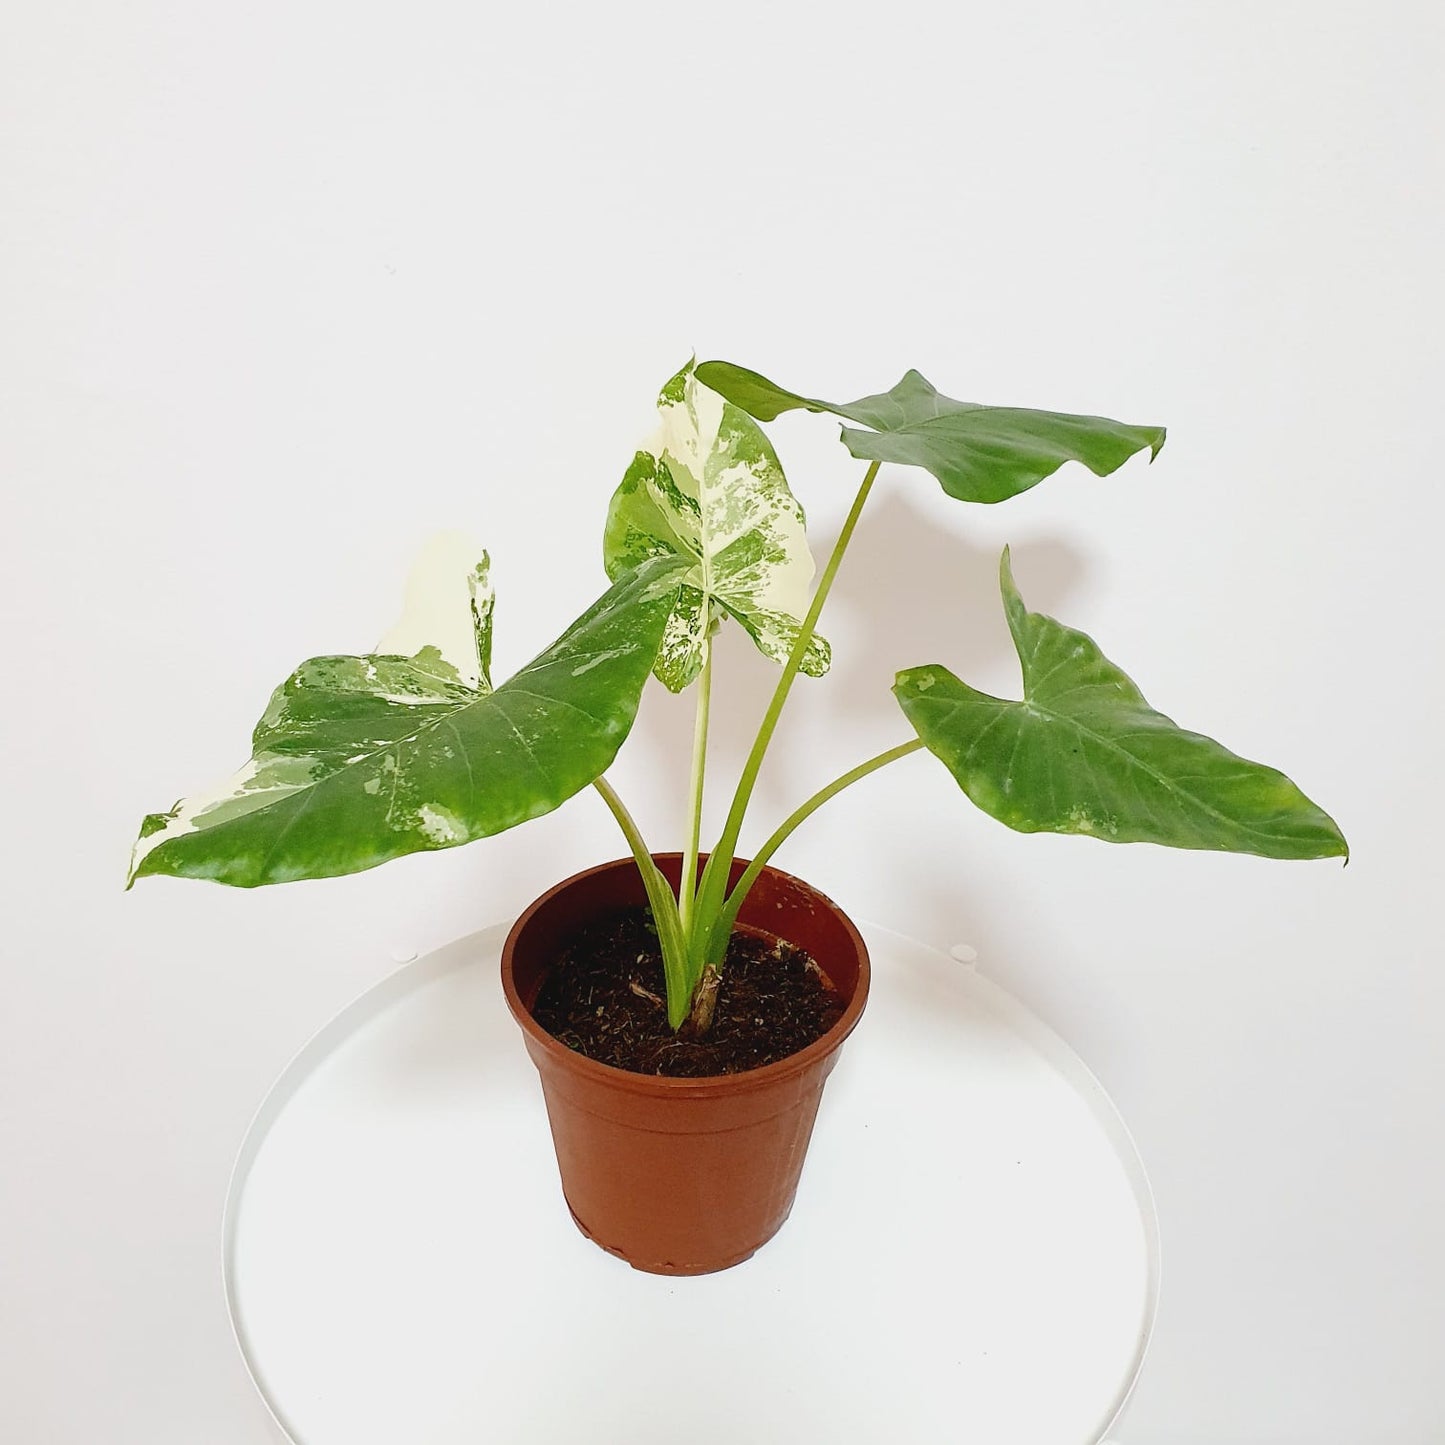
(681, 1176)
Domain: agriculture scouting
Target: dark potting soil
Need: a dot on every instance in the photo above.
(606, 998)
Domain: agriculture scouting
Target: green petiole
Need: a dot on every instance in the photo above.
(704, 946)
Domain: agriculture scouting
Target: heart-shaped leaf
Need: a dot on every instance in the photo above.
(1085, 753)
(709, 489)
(362, 759)
(978, 453)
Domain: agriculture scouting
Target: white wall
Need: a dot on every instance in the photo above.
(284, 287)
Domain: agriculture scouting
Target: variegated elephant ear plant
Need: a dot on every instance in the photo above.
(411, 748)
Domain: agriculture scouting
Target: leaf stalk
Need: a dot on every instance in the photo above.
(665, 915)
(687, 882)
(728, 915)
(703, 942)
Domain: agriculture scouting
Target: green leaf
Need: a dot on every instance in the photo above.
(709, 489)
(978, 453)
(1085, 753)
(362, 759)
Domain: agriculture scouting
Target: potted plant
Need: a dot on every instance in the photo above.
(684, 1008)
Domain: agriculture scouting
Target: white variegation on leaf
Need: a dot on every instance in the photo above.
(361, 759)
(449, 604)
(709, 489)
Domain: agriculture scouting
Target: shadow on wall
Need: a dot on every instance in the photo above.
(916, 589)
(915, 592)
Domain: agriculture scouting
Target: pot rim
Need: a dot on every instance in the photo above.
(708, 1085)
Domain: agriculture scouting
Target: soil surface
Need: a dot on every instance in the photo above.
(605, 997)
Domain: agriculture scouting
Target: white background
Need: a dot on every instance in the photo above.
(283, 288)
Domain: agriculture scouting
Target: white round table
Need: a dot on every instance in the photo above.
(973, 1253)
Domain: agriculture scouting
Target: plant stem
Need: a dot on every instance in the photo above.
(670, 936)
(714, 879)
(625, 821)
(799, 815)
(687, 882)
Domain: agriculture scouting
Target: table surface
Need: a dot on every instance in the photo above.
(973, 1251)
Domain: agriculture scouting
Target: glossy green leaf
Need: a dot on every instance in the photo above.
(362, 759)
(709, 489)
(1085, 753)
(978, 453)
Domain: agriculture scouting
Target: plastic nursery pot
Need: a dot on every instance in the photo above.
(681, 1176)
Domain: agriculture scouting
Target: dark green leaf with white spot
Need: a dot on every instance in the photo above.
(978, 453)
(362, 759)
(1085, 753)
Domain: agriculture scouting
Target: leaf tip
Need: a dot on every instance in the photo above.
(1337, 845)
(1157, 436)
(1006, 574)
(136, 865)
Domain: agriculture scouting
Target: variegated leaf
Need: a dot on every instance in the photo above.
(978, 453)
(1085, 753)
(362, 759)
(448, 606)
(710, 490)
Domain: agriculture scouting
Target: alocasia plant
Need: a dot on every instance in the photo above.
(361, 759)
